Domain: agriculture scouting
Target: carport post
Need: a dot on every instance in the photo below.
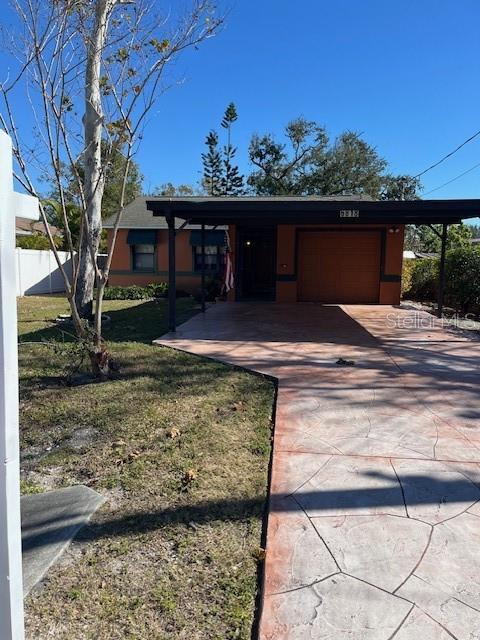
(172, 289)
(203, 267)
(441, 283)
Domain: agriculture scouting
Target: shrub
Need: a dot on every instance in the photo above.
(213, 289)
(462, 279)
(462, 282)
(157, 289)
(36, 241)
(423, 275)
(135, 292)
(407, 273)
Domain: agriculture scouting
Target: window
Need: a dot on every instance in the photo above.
(143, 257)
(214, 258)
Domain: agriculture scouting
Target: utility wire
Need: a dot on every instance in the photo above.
(449, 155)
(452, 180)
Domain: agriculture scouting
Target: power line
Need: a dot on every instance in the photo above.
(449, 155)
(452, 180)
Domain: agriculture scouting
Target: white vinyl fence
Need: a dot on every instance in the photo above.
(38, 272)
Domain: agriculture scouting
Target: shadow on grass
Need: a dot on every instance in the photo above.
(152, 371)
(140, 323)
(427, 490)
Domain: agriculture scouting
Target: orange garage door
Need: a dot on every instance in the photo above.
(339, 266)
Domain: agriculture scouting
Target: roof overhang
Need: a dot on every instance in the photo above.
(308, 210)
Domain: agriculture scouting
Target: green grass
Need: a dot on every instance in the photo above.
(131, 320)
(172, 554)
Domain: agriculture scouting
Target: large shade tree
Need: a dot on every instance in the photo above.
(92, 71)
(306, 162)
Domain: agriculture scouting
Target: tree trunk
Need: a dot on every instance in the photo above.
(92, 158)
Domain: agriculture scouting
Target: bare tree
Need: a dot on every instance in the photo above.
(92, 71)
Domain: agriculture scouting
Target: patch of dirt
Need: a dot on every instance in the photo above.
(49, 480)
(82, 438)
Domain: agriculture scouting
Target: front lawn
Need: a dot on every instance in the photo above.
(179, 446)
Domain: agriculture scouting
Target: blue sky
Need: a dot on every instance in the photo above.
(405, 74)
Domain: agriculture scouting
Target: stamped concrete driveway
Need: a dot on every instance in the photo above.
(374, 513)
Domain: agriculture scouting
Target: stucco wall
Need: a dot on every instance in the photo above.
(121, 272)
(286, 285)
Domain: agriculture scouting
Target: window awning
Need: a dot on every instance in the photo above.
(142, 236)
(212, 238)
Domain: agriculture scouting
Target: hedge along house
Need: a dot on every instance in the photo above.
(141, 249)
(310, 249)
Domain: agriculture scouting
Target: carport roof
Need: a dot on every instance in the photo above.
(351, 210)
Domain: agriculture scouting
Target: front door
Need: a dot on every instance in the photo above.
(256, 263)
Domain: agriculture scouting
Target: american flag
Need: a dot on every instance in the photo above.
(228, 278)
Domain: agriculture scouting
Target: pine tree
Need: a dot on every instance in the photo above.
(212, 166)
(232, 180)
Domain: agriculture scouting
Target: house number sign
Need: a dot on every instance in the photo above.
(349, 213)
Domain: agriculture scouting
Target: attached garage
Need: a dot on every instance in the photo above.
(339, 266)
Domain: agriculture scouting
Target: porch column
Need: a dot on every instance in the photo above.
(172, 289)
(203, 267)
(441, 283)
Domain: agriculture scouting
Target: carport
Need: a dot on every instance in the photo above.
(343, 249)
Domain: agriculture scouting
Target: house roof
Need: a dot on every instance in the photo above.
(137, 216)
(350, 210)
(411, 255)
(26, 227)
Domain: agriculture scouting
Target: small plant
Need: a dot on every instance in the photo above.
(213, 288)
(28, 488)
(157, 290)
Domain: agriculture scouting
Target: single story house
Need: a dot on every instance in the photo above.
(27, 227)
(342, 249)
(141, 249)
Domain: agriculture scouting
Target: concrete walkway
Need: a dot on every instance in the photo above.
(374, 514)
(50, 521)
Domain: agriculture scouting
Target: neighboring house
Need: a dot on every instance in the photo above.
(141, 249)
(475, 240)
(24, 227)
(418, 255)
